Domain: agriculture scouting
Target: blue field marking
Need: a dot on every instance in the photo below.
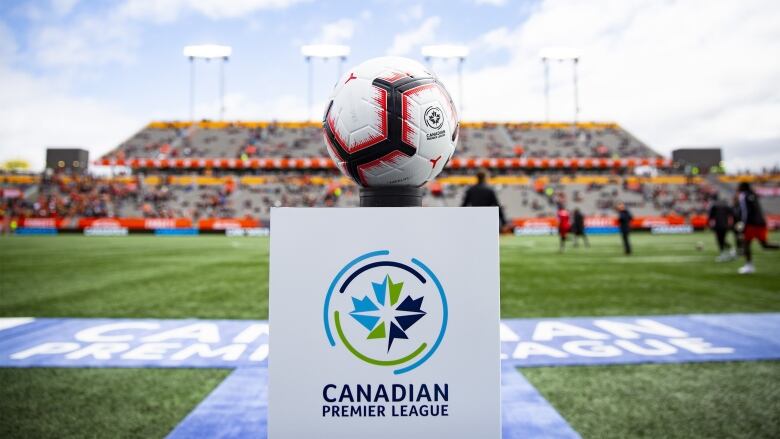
(236, 409)
(524, 411)
(60, 342)
(580, 341)
(588, 341)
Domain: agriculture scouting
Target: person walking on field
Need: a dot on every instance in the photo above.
(578, 228)
(483, 195)
(721, 220)
(753, 225)
(564, 225)
(624, 221)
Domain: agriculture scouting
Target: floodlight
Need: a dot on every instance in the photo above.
(559, 53)
(325, 51)
(445, 51)
(207, 51)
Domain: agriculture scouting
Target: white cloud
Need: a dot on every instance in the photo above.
(7, 43)
(674, 73)
(491, 2)
(412, 13)
(91, 40)
(699, 72)
(404, 42)
(162, 11)
(63, 7)
(239, 106)
(339, 31)
(112, 35)
(36, 113)
(496, 39)
(755, 155)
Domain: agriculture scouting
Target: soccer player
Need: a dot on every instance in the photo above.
(483, 195)
(564, 225)
(721, 220)
(753, 224)
(624, 221)
(735, 213)
(578, 228)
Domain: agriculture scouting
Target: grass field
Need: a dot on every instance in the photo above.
(219, 277)
(100, 403)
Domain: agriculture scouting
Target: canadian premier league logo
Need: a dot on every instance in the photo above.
(386, 312)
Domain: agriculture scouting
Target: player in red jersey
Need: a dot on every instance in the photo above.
(753, 225)
(564, 225)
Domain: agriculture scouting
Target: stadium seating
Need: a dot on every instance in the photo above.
(233, 141)
(250, 196)
(286, 140)
(239, 170)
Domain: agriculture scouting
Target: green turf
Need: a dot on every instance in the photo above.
(712, 400)
(665, 275)
(219, 277)
(99, 403)
(136, 276)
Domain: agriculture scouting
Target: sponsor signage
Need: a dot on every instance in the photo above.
(252, 231)
(672, 229)
(11, 192)
(36, 231)
(384, 325)
(40, 223)
(105, 231)
(535, 230)
(768, 191)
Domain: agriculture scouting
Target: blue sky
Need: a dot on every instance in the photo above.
(91, 73)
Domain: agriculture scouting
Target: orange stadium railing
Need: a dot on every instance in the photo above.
(217, 125)
(327, 163)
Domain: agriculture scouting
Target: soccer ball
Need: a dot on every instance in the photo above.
(390, 122)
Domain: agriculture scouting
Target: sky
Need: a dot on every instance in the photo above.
(674, 73)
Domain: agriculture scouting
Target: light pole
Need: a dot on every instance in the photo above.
(561, 54)
(546, 64)
(445, 52)
(208, 52)
(324, 52)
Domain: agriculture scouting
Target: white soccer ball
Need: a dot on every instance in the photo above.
(390, 122)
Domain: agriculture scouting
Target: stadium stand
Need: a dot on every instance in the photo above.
(160, 140)
(204, 172)
(216, 140)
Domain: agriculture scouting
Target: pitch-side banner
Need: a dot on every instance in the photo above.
(386, 323)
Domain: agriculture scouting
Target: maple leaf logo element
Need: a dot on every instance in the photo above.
(388, 317)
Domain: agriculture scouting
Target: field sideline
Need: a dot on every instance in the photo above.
(219, 277)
